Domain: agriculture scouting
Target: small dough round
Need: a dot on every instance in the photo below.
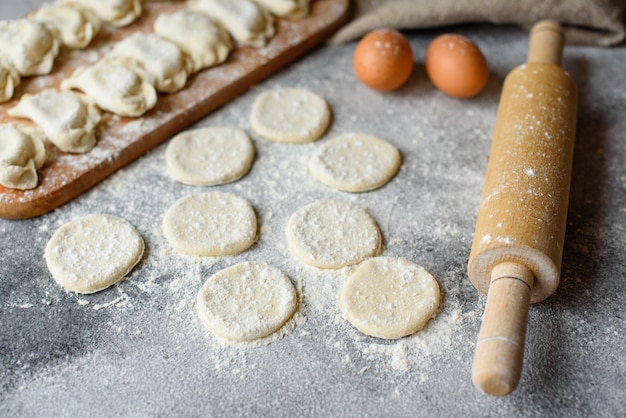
(332, 234)
(247, 301)
(92, 253)
(389, 297)
(209, 156)
(290, 115)
(355, 162)
(210, 224)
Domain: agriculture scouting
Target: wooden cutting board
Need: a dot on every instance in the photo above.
(121, 139)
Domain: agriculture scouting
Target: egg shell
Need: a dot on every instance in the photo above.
(456, 66)
(383, 59)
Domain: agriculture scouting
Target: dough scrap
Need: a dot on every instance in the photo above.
(291, 9)
(22, 152)
(331, 234)
(157, 60)
(290, 115)
(114, 87)
(67, 118)
(209, 156)
(205, 42)
(389, 297)
(92, 253)
(116, 12)
(355, 162)
(247, 301)
(248, 23)
(75, 26)
(210, 224)
(29, 45)
(9, 79)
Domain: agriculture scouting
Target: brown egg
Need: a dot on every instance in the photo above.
(383, 59)
(456, 66)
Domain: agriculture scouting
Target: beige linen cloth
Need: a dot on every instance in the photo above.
(586, 22)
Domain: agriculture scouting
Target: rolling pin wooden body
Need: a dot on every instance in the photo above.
(518, 244)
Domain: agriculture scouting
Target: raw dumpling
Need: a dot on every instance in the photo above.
(67, 118)
(75, 26)
(115, 12)
(22, 152)
(30, 46)
(9, 79)
(293, 9)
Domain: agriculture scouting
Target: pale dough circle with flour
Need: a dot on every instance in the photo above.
(247, 301)
(93, 252)
(209, 156)
(332, 234)
(389, 297)
(290, 115)
(355, 162)
(210, 224)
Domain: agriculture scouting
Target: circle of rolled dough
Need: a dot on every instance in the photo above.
(210, 224)
(389, 297)
(93, 252)
(290, 115)
(332, 234)
(355, 162)
(247, 301)
(209, 156)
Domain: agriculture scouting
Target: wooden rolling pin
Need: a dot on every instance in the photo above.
(518, 243)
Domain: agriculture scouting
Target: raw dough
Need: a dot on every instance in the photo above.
(290, 115)
(158, 60)
(247, 301)
(248, 23)
(389, 297)
(292, 9)
(210, 224)
(205, 42)
(115, 12)
(209, 156)
(22, 152)
(9, 79)
(67, 118)
(75, 26)
(332, 234)
(355, 162)
(114, 87)
(30, 46)
(92, 253)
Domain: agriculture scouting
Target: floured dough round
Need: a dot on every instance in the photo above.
(247, 301)
(389, 297)
(209, 156)
(355, 162)
(29, 45)
(67, 118)
(92, 253)
(115, 12)
(75, 26)
(9, 79)
(114, 87)
(22, 152)
(290, 115)
(210, 224)
(332, 234)
(204, 41)
(292, 9)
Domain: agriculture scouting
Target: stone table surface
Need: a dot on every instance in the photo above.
(138, 348)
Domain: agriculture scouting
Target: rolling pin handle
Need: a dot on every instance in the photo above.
(500, 349)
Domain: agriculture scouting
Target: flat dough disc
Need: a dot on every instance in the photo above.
(355, 162)
(210, 224)
(332, 234)
(93, 252)
(290, 115)
(247, 301)
(389, 297)
(209, 156)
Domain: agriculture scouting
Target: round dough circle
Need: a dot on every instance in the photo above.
(355, 162)
(389, 297)
(93, 252)
(247, 301)
(209, 156)
(210, 224)
(290, 115)
(332, 234)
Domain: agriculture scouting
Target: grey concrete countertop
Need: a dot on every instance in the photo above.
(138, 349)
